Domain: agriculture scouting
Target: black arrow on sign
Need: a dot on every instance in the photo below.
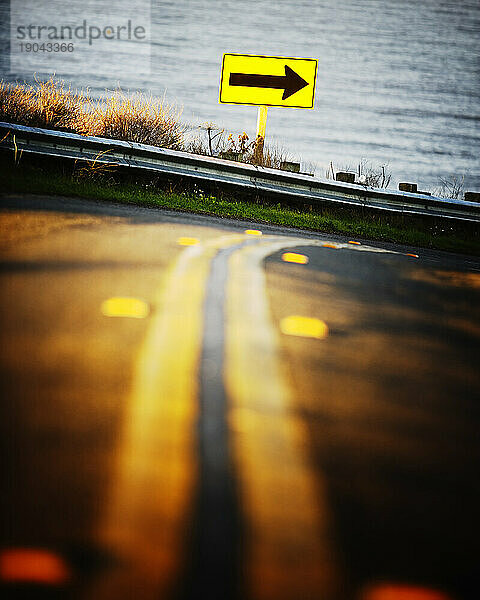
(290, 83)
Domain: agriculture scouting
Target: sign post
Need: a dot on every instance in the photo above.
(261, 129)
(265, 81)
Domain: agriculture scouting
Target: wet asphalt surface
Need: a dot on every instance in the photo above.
(389, 401)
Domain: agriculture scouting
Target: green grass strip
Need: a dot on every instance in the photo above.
(31, 180)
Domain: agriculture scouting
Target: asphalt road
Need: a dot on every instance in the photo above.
(193, 411)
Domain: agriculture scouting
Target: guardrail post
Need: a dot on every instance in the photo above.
(261, 129)
(345, 177)
(472, 196)
(408, 187)
(293, 167)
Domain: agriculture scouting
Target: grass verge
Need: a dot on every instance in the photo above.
(61, 180)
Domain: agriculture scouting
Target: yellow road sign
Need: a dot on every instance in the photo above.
(268, 80)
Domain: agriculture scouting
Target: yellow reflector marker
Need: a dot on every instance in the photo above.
(253, 232)
(410, 254)
(125, 307)
(356, 243)
(187, 241)
(329, 246)
(304, 327)
(293, 257)
(29, 565)
(401, 591)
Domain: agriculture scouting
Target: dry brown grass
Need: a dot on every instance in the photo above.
(137, 118)
(49, 104)
(52, 105)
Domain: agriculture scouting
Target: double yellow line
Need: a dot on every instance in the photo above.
(289, 546)
(287, 543)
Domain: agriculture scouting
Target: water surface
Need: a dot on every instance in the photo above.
(398, 80)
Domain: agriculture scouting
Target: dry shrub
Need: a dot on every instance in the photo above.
(49, 105)
(15, 102)
(136, 118)
(450, 187)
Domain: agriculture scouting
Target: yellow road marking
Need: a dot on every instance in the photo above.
(147, 508)
(288, 545)
(253, 232)
(304, 326)
(355, 243)
(151, 490)
(329, 245)
(187, 241)
(293, 257)
(125, 307)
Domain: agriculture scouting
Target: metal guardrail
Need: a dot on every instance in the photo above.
(234, 175)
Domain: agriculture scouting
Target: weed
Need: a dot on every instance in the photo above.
(215, 139)
(373, 176)
(367, 174)
(93, 170)
(451, 187)
(235, 147)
